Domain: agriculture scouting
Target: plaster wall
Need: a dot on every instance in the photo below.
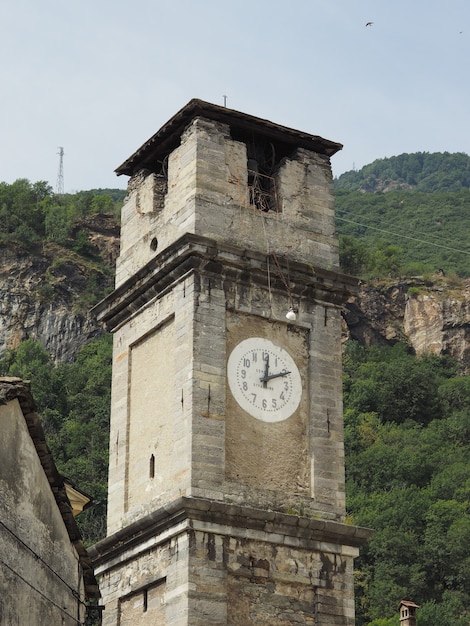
(40, 576)
(152, 383)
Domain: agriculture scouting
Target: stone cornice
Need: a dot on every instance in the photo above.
(188, 513)
(198, 253)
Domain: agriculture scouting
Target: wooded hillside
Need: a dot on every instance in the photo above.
(438, 172)
(406, 215)
(407, 420)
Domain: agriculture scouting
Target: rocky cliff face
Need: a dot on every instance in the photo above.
(432, 316)
(45, 295)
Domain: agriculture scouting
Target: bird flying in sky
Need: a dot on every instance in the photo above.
(369, 23)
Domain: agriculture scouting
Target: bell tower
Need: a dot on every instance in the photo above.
(226, 473)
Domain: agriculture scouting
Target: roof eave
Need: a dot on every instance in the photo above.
(167, 138)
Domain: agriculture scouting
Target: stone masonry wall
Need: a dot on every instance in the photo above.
(214, 518)
(207, 194)
(264, 570)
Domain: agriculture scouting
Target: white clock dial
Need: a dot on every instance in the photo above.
(264, 379)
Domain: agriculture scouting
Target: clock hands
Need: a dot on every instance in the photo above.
(271, 376)
(267, 376)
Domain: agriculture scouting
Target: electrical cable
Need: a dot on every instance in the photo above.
(268, 254)
(31, 586)
(407, 229)
(388, 232)
(283, 278)
(38, 558)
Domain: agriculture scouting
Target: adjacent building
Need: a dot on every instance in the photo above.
(45, 573)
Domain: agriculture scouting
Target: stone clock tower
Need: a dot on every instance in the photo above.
(226, 470)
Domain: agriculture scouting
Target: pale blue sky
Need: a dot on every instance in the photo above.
(99, 77)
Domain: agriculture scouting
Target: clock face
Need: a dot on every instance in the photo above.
(264, 379)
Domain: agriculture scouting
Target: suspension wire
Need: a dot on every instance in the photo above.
(407, 229)
(389, 232)
(283, 278)
(268, 267)
(39, 558)
(61, 608)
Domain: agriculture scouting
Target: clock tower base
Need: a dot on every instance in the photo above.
(200, 562)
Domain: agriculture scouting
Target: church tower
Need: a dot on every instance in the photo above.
(226, 472)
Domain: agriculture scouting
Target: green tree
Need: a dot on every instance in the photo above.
(102, 203)
(73, 403)
(21, 216)
(58, 220)
(400, 387)
(385, 260)
(353, 255)
(33, 363)
(83, 439)
(407, 478)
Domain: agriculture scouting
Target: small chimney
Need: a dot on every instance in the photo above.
(407, 612)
